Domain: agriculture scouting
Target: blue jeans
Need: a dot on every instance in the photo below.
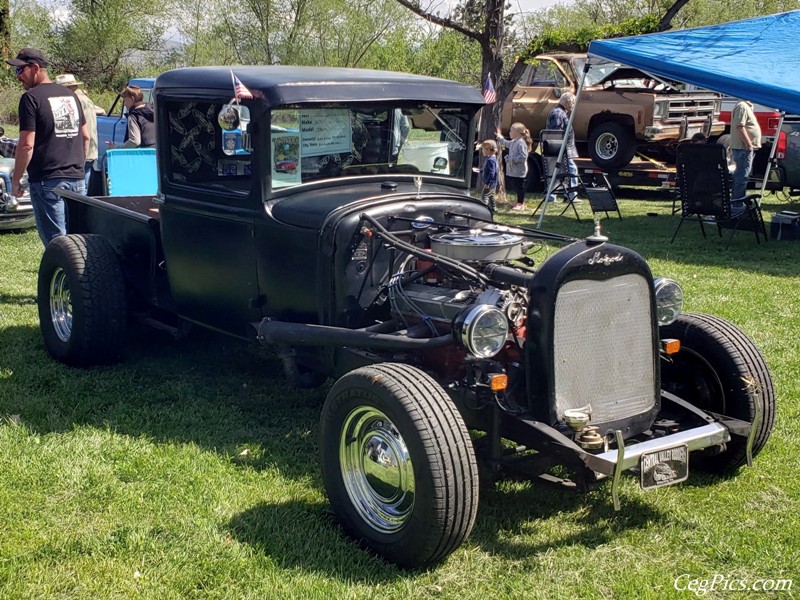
(49, 208)
(87, 169)
(743, 159)
(572, 169)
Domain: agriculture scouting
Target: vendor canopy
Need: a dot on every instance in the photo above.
(756, 59)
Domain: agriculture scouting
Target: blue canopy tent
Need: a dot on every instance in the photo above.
(755, 59)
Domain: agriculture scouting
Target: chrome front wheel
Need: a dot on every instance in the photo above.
(398, 464)
(376, 469)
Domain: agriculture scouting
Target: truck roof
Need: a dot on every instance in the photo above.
(287, 85)
(143, 82)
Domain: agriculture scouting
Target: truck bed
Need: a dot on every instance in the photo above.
(134, 207)
(131, 224)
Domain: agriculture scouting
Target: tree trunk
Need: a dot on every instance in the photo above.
(5, 30)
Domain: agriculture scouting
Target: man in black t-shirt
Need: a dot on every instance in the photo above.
(53, 139)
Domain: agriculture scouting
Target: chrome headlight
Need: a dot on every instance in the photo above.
(669, 300)
(482, 330)
(659, 109)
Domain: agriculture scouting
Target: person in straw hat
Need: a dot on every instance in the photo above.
(90, 112)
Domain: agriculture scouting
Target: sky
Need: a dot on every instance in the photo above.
(531, 5)
(524, 5)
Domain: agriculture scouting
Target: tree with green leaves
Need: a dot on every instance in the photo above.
(345, 33)
(105, 41)
(491, 34)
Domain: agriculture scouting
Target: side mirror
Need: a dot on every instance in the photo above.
(557, 93)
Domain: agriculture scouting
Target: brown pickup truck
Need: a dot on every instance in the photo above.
(620, 108)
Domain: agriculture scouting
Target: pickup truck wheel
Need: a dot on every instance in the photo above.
(720, 369)
(611, 145)
(398, 464)
(82, 302)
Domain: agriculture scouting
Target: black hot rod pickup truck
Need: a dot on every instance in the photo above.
(325, 213)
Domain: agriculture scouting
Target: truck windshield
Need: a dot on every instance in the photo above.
(311, 144)
(598, 72)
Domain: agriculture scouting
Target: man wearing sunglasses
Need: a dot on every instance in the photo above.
(53, 140)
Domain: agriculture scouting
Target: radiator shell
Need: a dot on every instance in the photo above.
(593, 339)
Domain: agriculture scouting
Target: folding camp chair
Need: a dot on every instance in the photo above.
(551, 140)
(601, 195)
(704, 182)
(131, 172)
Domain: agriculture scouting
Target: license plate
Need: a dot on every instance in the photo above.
(664, 467)
(690, 131)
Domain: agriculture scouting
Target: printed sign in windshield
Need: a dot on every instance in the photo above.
(309, 144)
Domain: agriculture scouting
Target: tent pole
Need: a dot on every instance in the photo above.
(771, 157)
(563, 149)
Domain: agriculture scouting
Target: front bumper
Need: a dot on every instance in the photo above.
(706, 436)
(715, 432)
(680, 131)
(16, 214)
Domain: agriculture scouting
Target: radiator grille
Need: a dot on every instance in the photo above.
(603, 347)
(692, 108)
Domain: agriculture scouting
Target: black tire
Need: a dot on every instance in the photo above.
(533, 180)
(720, 369)
(611, 145)
(413, 507)
(82, 302)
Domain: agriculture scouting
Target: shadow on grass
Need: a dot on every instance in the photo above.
(224, 397)
(216, 392)
(17, 299)
(305, 535)
(553, 517)
(514, 524)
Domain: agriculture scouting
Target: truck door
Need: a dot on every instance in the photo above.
(209, 199)
(537, 92)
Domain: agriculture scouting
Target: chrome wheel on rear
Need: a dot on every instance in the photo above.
(61, 305)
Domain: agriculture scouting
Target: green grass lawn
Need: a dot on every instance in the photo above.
(190, 470)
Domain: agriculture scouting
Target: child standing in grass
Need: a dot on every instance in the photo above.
(489, 173)
(517, 160)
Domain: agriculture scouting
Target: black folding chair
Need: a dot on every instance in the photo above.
(704, 182)
(551, 140)
(601, 195)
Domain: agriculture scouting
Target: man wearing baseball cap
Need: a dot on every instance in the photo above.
(53, 140)
(90, 112)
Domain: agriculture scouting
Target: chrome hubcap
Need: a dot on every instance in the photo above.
(376, 469)
(61, 305)
(607, 146)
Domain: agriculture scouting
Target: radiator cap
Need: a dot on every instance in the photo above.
(597, 237)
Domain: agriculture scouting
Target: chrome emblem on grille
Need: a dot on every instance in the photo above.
(598, 258)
